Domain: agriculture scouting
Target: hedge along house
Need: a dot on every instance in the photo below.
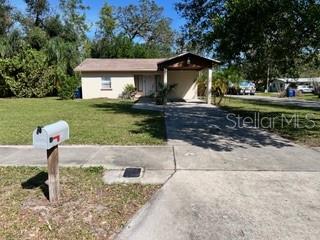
(107, 78)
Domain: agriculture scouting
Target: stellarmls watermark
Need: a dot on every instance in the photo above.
(283, 120)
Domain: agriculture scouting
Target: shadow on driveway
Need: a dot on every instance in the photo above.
(209, 128)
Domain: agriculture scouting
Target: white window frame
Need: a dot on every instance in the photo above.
(106, 83)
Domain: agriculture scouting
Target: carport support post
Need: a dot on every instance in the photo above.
(209, 88)
(165, 82)
(53, 174)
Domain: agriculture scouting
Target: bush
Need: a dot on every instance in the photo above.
(68, 86)
(27, 74)
(129, 91)
(4, 88)
(163, 92)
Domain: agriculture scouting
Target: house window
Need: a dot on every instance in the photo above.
(106, 83)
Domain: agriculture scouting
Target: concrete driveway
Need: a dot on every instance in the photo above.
(230, 184)
(204, 139)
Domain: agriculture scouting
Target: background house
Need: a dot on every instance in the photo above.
(281, 84)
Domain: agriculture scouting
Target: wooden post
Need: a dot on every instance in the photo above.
(165, 77)
(209, 85)
(165, 82)
(53, 174)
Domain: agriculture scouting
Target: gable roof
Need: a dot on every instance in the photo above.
(137, 64)
(118, 64)
(187, 61)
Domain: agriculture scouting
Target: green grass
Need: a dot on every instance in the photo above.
(91, 121)
(309, 97)
(268, 94)
(88, 209)
(305, 96)
(307, 133)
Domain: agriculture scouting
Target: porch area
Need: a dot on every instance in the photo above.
(182, 72)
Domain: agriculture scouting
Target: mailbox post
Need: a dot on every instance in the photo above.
(49, 137)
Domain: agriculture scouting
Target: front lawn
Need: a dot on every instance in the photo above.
(98, 121)
(309, 97)
(88, 209)
(298, 124)
(267, 94)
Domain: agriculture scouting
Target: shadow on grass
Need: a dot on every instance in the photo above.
(152, 122)
(298, 124)
(38, 181)
(281, 105)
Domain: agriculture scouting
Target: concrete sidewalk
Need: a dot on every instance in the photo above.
(110, 157)
(215, 205)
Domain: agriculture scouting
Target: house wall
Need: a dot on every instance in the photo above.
(91, 84)
(186, 84)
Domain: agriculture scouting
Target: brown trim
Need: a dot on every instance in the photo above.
(106, 89)
(187, 61)
(117, 71)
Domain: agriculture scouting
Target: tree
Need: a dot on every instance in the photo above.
(107, 22)
(221, 80)
(269, 36)
(113, 41)
(146, 22)
(53, 26)
(37, 10)
(6, 20)
(122, 47)
(37, 38)
(11, 44)
(74, 15)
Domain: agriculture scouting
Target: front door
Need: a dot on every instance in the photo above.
(148, 84)
(145, 84)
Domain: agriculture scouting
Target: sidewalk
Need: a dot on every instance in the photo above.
(212, 205)
(109, 157)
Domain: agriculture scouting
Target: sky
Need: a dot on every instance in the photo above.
(95, 6)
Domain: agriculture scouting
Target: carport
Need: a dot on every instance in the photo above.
(183, 71)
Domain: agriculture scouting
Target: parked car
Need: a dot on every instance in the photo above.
(305, 89)
(246, 87)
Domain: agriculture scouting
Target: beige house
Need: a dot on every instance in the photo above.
(106, 78)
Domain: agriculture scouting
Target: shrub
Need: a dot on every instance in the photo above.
(27, 74)
(4, 88)
(68, 86)
(129, 91)
(163, 92)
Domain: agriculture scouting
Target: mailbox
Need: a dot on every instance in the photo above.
(51, 135)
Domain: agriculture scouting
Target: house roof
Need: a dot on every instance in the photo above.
(144, 64)
(118, 64)
(187, 60)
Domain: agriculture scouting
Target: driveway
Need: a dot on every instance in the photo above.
(204, 138)
(281, 101)
(230, 183)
